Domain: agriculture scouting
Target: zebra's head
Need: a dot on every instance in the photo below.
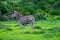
(16, 14)
(13, 14)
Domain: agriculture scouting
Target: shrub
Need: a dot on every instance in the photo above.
(54, 12)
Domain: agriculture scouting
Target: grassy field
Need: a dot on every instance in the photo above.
(43, 30)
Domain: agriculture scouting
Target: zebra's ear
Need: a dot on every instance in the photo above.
(14, 11)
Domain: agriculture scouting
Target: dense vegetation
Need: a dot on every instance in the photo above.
(47, 11)
(48, 8)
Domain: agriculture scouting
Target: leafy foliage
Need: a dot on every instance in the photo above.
(27, 7)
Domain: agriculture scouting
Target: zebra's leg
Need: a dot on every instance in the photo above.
(21, 27)
(32, 25)
(25, 28)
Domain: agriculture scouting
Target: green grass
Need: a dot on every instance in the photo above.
(43, 30)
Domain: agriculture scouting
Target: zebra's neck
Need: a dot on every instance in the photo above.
(19, 16)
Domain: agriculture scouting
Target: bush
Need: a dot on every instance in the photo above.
(54, 12)
(56, 5)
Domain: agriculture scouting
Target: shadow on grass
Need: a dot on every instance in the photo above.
(48, 35)
(40, 32)
(16, 25)
(37, 27)
(8, 29)
(5, 27)
(55, 29)
(43, 31)
(1, 39)
(35, 32)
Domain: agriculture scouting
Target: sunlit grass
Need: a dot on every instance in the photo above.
(42, 31)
